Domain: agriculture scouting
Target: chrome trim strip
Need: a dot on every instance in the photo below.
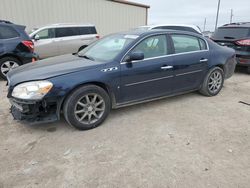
(134, 102)
(191, 72)
(164, 33)
(169, 55)
(155, 79)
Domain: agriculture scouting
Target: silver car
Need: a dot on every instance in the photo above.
(58, 39)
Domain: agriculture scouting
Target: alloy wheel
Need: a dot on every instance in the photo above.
(8, 66)
(89, 109)
(215, 81)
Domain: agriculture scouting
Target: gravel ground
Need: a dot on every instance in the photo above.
(184, 141)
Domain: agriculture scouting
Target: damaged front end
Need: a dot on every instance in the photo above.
(35, 111)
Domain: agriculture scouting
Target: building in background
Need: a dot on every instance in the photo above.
(109, 16)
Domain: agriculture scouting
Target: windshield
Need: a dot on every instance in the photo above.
(108, 48)
(231, 33)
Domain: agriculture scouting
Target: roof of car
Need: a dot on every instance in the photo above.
(65, 25)
(156, 31)
(181, 25)
(237, 24)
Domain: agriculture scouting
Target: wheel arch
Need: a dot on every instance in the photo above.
(11, 55)
(96, 83)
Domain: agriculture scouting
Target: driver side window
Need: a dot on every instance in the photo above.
(46, 34)
(153, 46)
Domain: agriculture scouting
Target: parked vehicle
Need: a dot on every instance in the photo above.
(236, 36)
(16, 48)
(59, 39)
(181, 27)
(115, 71)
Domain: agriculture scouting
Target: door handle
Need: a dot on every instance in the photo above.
(166, 67)
(203, 60)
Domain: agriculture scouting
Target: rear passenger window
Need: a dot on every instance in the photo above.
(185, 43)
(67, 31)
(8, 32)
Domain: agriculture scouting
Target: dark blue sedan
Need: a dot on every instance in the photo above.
(118, 70)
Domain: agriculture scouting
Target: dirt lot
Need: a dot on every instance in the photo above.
(184, 141)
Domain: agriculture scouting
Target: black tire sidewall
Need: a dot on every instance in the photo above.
(4, 59)
(72, 99)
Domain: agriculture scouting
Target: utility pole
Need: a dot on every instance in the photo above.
(231, 16)
(205, 22)
(217, 15)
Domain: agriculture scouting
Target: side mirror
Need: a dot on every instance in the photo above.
(36, 37)
(135, 56)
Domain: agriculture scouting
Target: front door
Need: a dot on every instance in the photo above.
(150, 77)
(46, 46)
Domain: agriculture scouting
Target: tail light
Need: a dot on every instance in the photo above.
(97, 36)
(29, 44)
(245, 42)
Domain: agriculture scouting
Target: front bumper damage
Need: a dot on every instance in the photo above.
(35, 111)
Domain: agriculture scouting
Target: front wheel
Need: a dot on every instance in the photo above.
(87, 107)
(213, 82)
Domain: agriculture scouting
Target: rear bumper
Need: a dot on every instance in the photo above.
(35, 111)
(243, 61)
(28, 57)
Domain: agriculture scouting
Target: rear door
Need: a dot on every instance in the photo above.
(191, 57)
(67, 39)
(150, 77)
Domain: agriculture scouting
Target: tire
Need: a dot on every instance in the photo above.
(85, 102)
(7, 64)
(248, 70)
(212, 86)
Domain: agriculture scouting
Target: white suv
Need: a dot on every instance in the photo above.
(182, 27)
(58, 39)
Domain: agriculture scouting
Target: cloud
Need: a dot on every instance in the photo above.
(195, 11)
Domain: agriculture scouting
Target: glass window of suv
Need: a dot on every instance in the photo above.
(67, 31)
(46, 33)
(153, 46)
(8, 32)
(87, 30)
(231, 33)
(185, 43)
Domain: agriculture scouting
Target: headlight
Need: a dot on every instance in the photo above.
(32, 90)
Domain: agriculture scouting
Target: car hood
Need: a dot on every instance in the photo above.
(50, 67)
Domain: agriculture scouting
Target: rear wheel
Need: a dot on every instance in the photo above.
(87, 107)
(213, 82)
(7, 64)
(248, 70)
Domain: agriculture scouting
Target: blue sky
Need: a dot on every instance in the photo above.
(195, 11)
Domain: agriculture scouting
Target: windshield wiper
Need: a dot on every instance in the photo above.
(86, 57)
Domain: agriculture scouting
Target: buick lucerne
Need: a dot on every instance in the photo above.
(118, 70)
